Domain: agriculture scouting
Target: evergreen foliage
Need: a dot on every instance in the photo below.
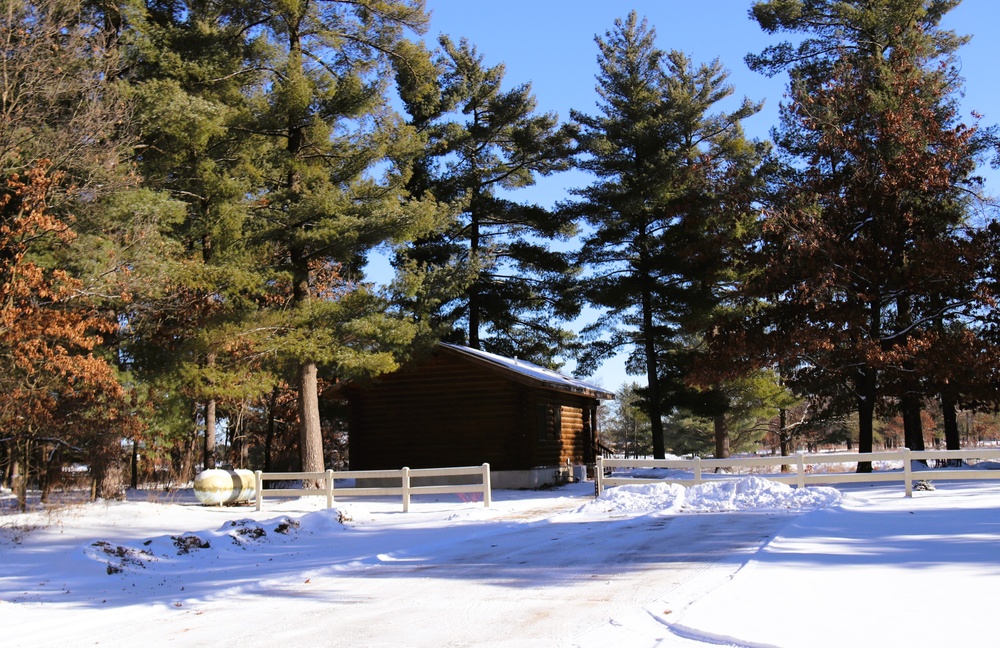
(626, 428)
(484, 143)
(673, 187)
(865, 257)
(190, 191)
(334, 165)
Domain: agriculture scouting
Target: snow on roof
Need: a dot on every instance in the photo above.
(549, 378)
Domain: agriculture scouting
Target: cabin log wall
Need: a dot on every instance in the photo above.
(451, 412)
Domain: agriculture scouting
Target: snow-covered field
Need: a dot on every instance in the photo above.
(746, 562)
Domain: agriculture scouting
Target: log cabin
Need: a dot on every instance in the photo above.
(464, 407)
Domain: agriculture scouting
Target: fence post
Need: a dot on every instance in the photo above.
(329, 488)
(907, 472)
(487, 488)
(258, 488)
(406, 489)
(801, 467)
(697, 470)
(599, 475)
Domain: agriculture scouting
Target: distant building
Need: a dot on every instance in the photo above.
(463, 407)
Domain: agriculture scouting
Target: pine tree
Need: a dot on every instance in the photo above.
(191, 88)
(626, 428)
(672, 188)
(863, 247)
(486, 142)
(335, 165)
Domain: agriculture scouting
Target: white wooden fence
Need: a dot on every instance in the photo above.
(405, 476)
(799, 461)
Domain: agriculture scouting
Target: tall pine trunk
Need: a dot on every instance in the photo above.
(310, 433)
(475, 315)
(784, 437)
(20, 456)
(208, 447)
(307, 383)
(272, 425)
(311, 439)
(949, 411)
(721, 436)
(952, 439)
(866, 392)
(134, 461)
(867, 385)
(909, 404)
(654, 401)
(913, 429)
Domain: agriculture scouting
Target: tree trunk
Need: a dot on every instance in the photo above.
(208, 450)
(784, 438)
(950, 414)
(134, 461)
(244, 461)
(654, 403)
(866, 389)
(474, 244)
(913, 429)
(311, 437)
(952, 438)
(19, 474)
(208, 453)
(182, 458)
(46, 473)
(271, 426)
(653, 406)
(721, 436)
(108, 469)
(310, 434)
(7, 461)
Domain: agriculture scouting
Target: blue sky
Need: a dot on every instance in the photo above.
(550, 44)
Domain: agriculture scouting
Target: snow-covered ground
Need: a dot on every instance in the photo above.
(745, 562)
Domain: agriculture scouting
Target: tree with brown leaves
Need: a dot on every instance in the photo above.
(864, 251)
(54, 389)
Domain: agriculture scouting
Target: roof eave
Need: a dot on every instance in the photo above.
(525, 378)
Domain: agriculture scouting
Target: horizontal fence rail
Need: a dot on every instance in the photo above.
(406, 489)
(699, 467)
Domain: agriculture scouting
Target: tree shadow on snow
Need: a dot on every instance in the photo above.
(320, 558)
(910, 539)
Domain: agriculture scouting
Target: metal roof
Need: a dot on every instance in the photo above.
(537, 374)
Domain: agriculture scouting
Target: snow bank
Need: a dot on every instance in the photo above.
(754, 493)
(746, 494)
(639, 498)
(233, 535)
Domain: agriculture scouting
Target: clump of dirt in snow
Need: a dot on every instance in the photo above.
(287, 526)
(246, 531)
(119, 559)
(187, 542)
(247, 534)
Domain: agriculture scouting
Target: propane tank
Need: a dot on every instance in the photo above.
(224, 486)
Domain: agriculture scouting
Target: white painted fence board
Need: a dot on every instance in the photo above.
(481, 484)
(703, 468)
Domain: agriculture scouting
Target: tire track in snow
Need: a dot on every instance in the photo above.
(508, 587)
